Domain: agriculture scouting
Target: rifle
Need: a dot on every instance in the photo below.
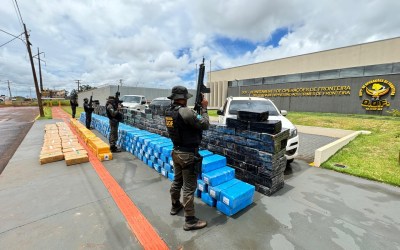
(120, 116)
(91, 101)
(201, 89)
(116, 99)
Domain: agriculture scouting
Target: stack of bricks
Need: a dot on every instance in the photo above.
(59, 144)
(258, 158)
(95, 144)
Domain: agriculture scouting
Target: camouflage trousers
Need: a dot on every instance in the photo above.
(88, 120)
(185, 179)
(113, 133)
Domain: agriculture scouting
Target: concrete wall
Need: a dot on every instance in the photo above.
(103, 93)
(337, 103)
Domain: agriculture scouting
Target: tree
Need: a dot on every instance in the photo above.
(86, 87)
(74, 94)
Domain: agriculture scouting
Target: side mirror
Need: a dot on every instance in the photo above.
(219, 112)
(283, 112)
(143, 102)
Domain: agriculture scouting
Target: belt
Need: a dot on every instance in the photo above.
(185, 149)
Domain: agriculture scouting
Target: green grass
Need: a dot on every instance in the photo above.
(47, 114)
(374, 156)
(212, 112)
(68, 109)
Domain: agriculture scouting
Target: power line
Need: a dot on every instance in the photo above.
(12, 40)
(19, 12)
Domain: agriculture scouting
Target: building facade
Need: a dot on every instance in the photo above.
(357, 79)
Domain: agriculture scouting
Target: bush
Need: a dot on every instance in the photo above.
(394, 112)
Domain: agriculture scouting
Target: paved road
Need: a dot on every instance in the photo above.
(15, 123)
(309, 143)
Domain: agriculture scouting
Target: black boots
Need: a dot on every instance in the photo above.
(176, 208)
(114, 149)
(193, 223)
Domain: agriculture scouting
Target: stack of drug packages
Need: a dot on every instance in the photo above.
(73, 151)
(59, 144)
(217, 185)
(51, 149)
(95, 144)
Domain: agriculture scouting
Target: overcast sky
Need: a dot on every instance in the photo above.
(159, 44)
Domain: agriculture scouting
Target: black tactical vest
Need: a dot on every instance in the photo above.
(180, 133)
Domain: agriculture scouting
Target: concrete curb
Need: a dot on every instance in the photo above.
(323, 153)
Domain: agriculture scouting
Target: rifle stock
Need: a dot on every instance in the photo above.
(201, 88)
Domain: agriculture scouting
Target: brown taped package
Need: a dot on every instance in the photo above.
(51, 157)
(76, 157)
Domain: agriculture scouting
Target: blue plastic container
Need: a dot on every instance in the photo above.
(237, 194)
(167, 150)
(197, 193)
(205, 153)
(164, 172)
(202, 186)
(171, 176)
(231, 211)
(213, 162)
(157, 167)
(168, 168)
(218, 176)
(215, 191)
(208, 199)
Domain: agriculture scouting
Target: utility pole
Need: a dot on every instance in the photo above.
(40, 70)
(9, 89)
(38, 94)
(78, 81)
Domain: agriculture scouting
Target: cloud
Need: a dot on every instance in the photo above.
(158, 43)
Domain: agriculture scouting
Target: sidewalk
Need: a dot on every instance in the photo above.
(53, 206)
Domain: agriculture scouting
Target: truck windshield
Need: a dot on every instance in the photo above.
(134, 99)
(252, 105)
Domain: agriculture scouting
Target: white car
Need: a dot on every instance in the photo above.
(137, 102)
(233, 104)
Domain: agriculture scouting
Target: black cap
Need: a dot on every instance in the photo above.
(179, 92)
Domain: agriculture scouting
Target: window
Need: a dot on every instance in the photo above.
(312, 76)
(252, 105)
(352, 72)
(396, 68)
(258, 81)
(247, 82)
(269, 80)
(279, 79)
(381, 69)
(329, 74)
(293, 78)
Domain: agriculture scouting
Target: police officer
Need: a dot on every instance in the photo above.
(114, 115)
(74, 104)
(88, 110)
(185, 128)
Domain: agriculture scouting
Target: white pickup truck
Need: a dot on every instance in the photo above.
(233, 104)
(137, 102)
